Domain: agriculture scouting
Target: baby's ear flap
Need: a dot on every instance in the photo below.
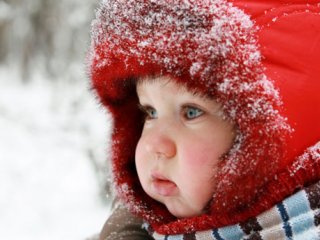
(290, 46)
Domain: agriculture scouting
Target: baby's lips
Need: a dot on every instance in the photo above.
(162, 185)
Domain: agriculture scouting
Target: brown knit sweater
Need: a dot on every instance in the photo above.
(122, 225)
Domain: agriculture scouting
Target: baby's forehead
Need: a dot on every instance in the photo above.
(166, 81)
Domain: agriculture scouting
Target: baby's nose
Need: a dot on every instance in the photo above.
(161, 144)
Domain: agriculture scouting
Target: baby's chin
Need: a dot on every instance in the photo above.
(178, 207)
(181, 211)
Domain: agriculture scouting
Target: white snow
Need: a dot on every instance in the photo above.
(49, 133)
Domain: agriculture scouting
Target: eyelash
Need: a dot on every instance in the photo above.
(148, 112)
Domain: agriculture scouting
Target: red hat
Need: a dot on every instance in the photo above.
(260, 59)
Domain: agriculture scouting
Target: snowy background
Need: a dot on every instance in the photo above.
(53, 133)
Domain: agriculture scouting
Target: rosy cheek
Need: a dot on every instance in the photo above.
(195, 154)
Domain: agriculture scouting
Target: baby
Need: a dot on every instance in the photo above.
(214, 136)
(182, 141)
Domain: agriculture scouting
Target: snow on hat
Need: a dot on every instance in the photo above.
(248, 55)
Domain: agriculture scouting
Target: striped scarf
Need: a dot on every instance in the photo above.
(296, 217)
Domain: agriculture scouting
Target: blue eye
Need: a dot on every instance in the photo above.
(148, 112)
(151, 113)
(192, 112)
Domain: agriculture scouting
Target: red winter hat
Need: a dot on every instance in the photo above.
(289, 38)
(258, 59)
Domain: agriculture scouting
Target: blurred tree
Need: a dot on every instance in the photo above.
(48, 35)
(4, 24)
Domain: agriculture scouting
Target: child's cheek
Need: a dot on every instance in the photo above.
(140, 156)
(195, 154)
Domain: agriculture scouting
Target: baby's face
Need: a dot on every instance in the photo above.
(182, 141)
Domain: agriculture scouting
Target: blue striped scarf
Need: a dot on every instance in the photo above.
(297, 217)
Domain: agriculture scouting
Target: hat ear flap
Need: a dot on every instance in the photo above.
(290, 46)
